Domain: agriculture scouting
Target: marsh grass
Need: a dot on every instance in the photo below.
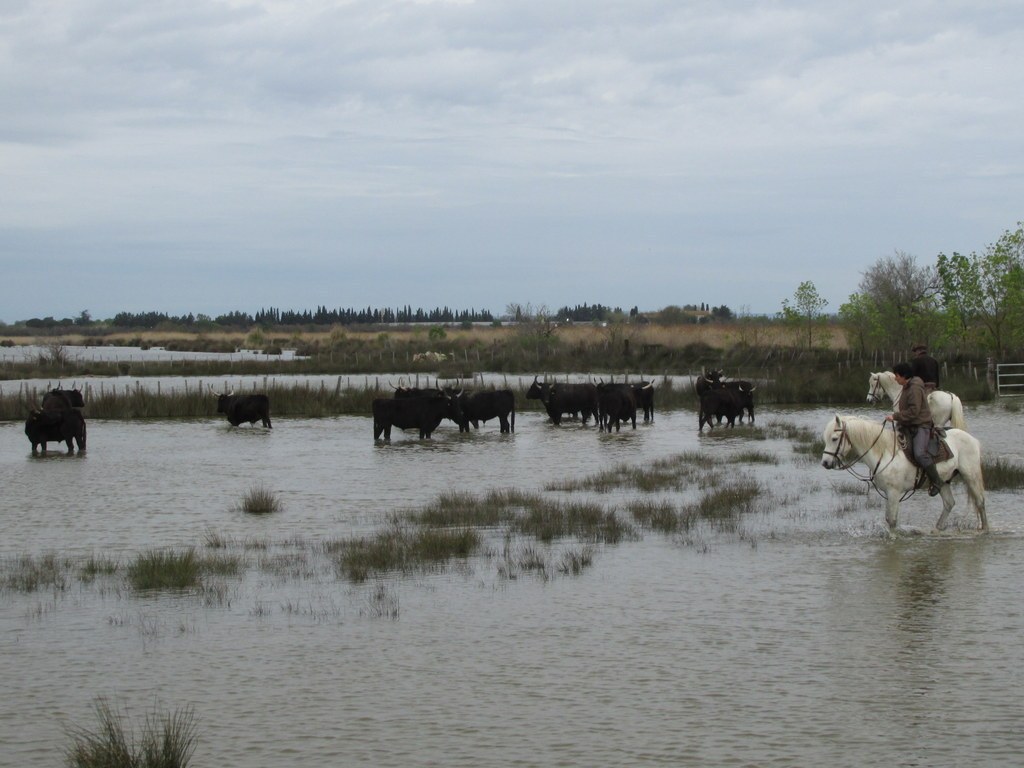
(260, 500)
(573, 561)
(401, 547)
(222, 564)
(166, 740)
(550, 520)
(382, 602)
(725, 504)
(518, 557)
(458, 508)
(97, 566)
(754, 457)
(30, 574)
(521, 512)
(657, 515)
(1001, 474)
(161, 569)
(661, 474)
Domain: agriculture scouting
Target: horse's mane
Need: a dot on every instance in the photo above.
(865, 431)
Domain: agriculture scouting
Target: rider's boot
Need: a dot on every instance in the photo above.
(933, 475)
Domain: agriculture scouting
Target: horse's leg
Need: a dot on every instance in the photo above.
(976, 493)
(948, 502)
(892, 509)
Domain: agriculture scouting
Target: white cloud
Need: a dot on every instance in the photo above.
(252, 132)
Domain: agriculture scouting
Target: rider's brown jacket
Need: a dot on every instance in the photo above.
(913, 410)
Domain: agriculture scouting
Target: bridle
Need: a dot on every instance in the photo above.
(849, 466)
(878, 391)
(875, 395)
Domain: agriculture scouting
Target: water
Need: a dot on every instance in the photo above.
(803, 638)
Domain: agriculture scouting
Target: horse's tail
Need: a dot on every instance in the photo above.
(970, 469)
(956, 413)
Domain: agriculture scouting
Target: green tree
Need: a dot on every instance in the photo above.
(805, 314)
(986, 291)
(960, 289)
(860, 319)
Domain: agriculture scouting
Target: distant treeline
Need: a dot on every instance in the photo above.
(272, 316)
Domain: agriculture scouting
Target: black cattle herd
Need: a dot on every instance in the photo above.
(59, 419)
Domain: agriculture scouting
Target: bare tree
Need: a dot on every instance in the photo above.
(904, 296)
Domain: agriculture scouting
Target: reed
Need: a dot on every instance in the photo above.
(166, 741)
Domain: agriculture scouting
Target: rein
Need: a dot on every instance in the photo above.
(849, 466)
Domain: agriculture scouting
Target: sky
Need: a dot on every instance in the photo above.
(196, 156)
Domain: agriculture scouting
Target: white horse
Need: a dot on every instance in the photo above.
(945, 406)
(850, 440)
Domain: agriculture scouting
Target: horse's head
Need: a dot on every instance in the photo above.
(875, 391)
(836, 442)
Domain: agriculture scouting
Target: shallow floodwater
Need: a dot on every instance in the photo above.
(804, 637)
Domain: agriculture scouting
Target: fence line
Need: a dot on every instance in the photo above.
(1010, 379)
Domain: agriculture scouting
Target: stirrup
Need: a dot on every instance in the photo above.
(934, 490)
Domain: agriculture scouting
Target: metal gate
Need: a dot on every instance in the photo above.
(1009, 379)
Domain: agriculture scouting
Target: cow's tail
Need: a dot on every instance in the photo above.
(956, 413)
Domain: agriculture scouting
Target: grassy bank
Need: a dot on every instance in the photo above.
(840, 385)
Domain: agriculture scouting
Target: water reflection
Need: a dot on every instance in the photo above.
(918, 573)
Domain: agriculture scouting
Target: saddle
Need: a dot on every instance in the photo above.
(938, 449)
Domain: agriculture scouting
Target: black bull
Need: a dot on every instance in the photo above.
(60, 399)
(250, 408)
(56, 426)
(423, 413)
(481, 406)
(561, 399)
(616, 403)
(724, 402)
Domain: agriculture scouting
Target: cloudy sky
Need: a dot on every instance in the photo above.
(207, 156)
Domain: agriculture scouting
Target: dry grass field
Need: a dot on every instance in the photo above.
(715, 335)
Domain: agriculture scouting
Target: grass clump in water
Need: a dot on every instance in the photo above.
(401, 548)
(724, 504)
(755, 457)
(97, 566)
(657, 515)
(575, 560)
(1001, 474)
(550, 520)
(662, 474)
(260, 500)
(157, 569)
(29, 574)
(166, 741)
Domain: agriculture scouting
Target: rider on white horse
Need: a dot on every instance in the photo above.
(914, 416)
(925, 366)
